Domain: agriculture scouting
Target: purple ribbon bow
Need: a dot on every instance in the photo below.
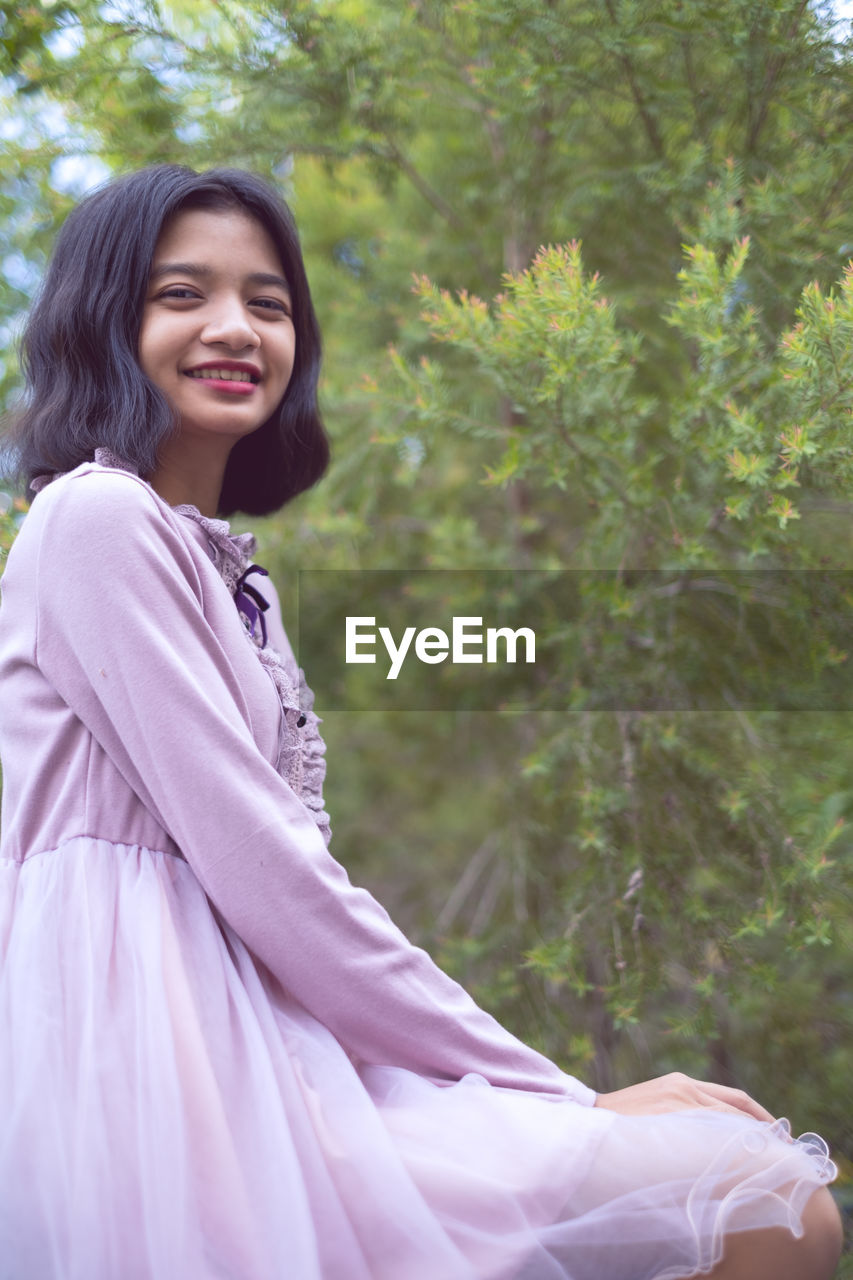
(251, 604)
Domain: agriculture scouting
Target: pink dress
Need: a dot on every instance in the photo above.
(217, 1057)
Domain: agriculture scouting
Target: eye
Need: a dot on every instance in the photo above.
(180, 291)
(271, 304)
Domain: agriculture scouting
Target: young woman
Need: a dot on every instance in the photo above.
(217, 1057)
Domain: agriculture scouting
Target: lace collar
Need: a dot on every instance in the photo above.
(103, 458)
(231, 552)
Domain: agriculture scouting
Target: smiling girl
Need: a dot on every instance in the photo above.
(217, 338)
(218, 1058)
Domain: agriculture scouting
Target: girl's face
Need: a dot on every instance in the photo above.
(217, 335)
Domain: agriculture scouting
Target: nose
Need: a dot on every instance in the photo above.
(230, 324)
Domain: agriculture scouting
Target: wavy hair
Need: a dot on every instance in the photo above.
(84, 385)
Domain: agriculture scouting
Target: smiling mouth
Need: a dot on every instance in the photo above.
(223, 375)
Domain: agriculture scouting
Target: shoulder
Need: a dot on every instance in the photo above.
(93, 493)
(97, 518)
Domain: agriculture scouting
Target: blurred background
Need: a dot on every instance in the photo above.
(582, 269)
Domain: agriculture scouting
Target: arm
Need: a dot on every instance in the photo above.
(123, 637)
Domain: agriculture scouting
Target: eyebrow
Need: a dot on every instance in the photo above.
(200, 270)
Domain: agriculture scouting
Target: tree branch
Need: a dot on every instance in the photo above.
(774, 69)
(433, 198)
(652, 132)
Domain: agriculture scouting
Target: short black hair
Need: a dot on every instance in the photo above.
(85, 387)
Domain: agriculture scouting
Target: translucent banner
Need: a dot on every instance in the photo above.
(648, 640)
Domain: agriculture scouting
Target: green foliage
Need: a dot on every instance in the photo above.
(11, 514)
(552, 318)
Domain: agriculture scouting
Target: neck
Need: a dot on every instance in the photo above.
(191, 472)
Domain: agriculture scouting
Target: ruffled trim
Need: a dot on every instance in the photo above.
(313, 761)
(816, 1148)
(301, 749)
(232, 552)
(783, 1203)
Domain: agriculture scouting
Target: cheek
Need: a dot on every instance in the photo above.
(290, 358)
(156, 349)
(284, 358)
(147, 349)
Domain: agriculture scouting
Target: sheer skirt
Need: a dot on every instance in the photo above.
(170, 1112)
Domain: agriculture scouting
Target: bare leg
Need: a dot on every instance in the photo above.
(774, 1254)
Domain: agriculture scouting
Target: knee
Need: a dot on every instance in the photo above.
(823, 1234)
(814, 1256)
(774, 1254)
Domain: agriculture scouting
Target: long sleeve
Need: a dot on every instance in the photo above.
(123, 635)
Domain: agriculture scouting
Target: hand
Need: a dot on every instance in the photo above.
(678, 1092)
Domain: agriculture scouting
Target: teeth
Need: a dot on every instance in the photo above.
(223, 375)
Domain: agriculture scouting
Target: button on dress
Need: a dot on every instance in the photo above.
(219, 1058)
